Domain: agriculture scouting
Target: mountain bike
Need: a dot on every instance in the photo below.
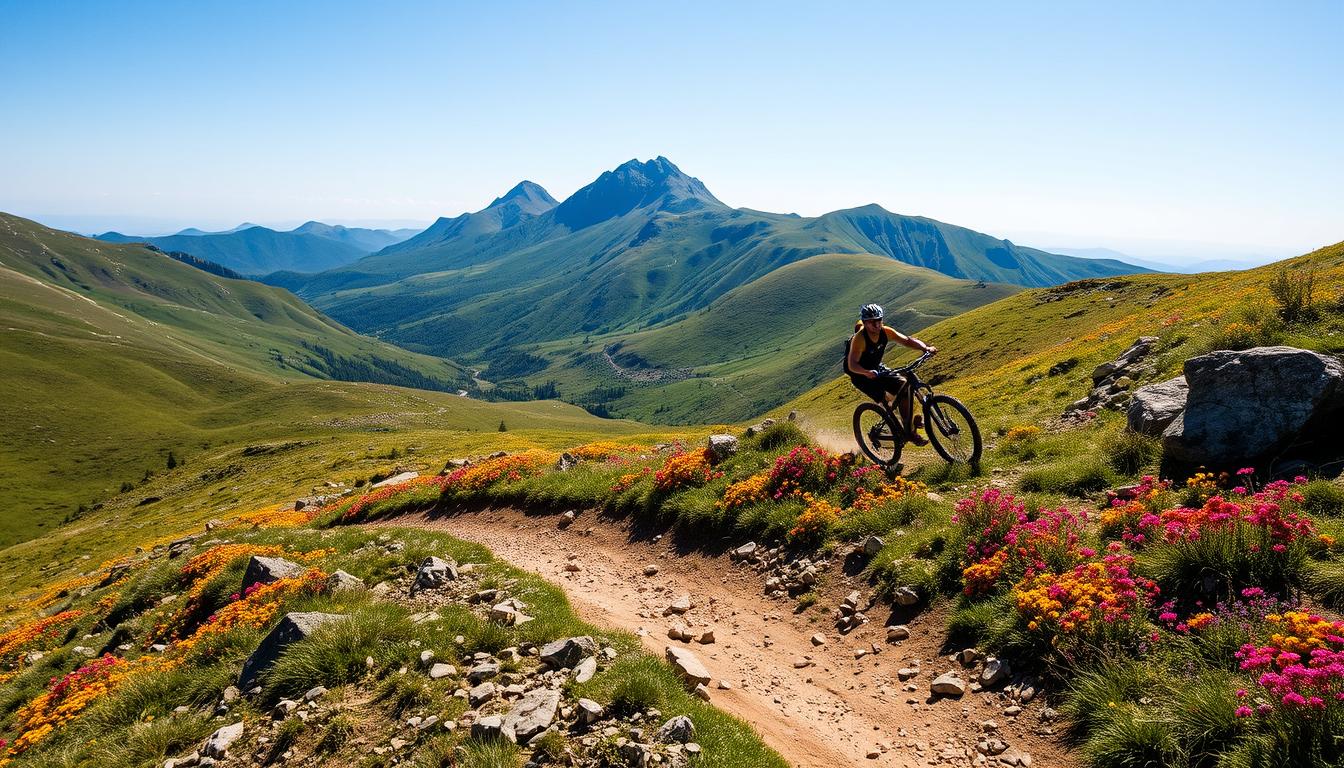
(951, 428)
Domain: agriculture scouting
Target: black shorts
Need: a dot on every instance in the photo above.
(877, 389)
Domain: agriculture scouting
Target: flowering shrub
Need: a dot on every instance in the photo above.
(1129, 505)
(68, 696)
(253, 608)
(685, 470)
(1049, 543)
(1092, 601)
(1302, 665)
(744, 492)
(1020, 433)
(985, 520)
(816, 519)
(361, 507)
(866, 499)
(806, 468)
(477, 477)
(282, 515)
(627, 481)
(37, 635)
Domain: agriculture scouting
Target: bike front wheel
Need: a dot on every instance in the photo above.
(952, 430)
(877, 434)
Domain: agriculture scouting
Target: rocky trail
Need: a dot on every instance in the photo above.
(818, 697)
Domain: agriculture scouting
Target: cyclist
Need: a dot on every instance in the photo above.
(864, 358)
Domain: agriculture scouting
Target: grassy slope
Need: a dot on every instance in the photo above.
(761, 343)
(115, 355)
(997, 357)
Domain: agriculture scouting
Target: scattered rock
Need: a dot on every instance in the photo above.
(905, 596)
(396, 479)
(680, 605)
(440, 670)
(341, 581)
(650, 570)
(433, 573)
(677, 730)
(217, 745)
(291, 629)
(585, 670)
(563, 654)
(533, 714)
(948, 684)
(872, 545)
(721, 447)
(268, 570)
(687, 665)
(898, 632)
(491, 727)
(994, 672)
(589, 711)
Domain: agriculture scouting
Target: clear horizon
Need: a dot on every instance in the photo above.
(1208, 124)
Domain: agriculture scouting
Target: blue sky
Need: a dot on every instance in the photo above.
(1092, 124)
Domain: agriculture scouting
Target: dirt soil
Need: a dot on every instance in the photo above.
(818, 706)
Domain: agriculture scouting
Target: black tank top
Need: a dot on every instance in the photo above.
(871, 356)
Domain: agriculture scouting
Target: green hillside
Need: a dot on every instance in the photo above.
(641, 245)
(757, 346)
(254, 250)
(116, 355)
(1028, 356)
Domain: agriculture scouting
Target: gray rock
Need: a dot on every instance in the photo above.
(533, 714)
(340, 581)
(906, 596)
(440, 670)
(677, 730)
(872, 545)
(585, 670)
(745, 551)
(680, 605)
(589, 711)
(268, 570)
(1246, 405)
(482, 671)
(1155, 406)
(434, 572)
(217, 745)
(563, 654)
(291, 629)
(396, 479)
(566, 462)
(994, 672)
(181, 546)
(721, 447)
(898, 632)
(687, 665)
(479, 694)
(948, 684)
(491, 727)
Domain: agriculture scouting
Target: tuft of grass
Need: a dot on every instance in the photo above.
(1204, 714)
(1132, 738)
(338, 732)
(335, 653)
(1078, 476)
(1323, 498)
(1325, 580)
(1129, 453)
(1097, 694)
(494, 753)
(781, 434)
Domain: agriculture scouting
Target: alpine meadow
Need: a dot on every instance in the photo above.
(968, 393)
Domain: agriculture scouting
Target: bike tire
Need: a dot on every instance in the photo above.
(952, 430)
(878, 435)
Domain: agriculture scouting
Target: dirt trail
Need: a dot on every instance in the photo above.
(836, 711)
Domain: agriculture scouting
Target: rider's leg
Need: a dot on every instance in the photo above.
(906, 400)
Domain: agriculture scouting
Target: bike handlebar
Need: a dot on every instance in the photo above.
(884, 371)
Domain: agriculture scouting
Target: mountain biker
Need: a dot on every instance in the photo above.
(866, 348)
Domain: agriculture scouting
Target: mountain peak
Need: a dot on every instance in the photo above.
(528, 196)
(657, 183)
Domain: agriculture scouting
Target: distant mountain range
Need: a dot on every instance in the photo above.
(255, 250)
(641, 244)
(1189, 268)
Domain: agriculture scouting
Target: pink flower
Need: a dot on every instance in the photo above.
(1246, 471)
(1244, 711)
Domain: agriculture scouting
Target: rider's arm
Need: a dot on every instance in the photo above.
(855, 348)
(908, 341)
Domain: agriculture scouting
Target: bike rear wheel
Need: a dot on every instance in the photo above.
(952, 430)
(877, 433)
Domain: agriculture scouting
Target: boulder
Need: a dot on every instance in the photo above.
(872, 545)
(585, 670)
(687, 665)
(562, 654)
(566, 462)
(433, 573)
(291, 629)
(590, 711)
(745, 551)
(533, 714)
(1155, 406)
(1250, 404)
(721, 447)
(180, 546)
(483, 671)
(268, 570)
(995, 672)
